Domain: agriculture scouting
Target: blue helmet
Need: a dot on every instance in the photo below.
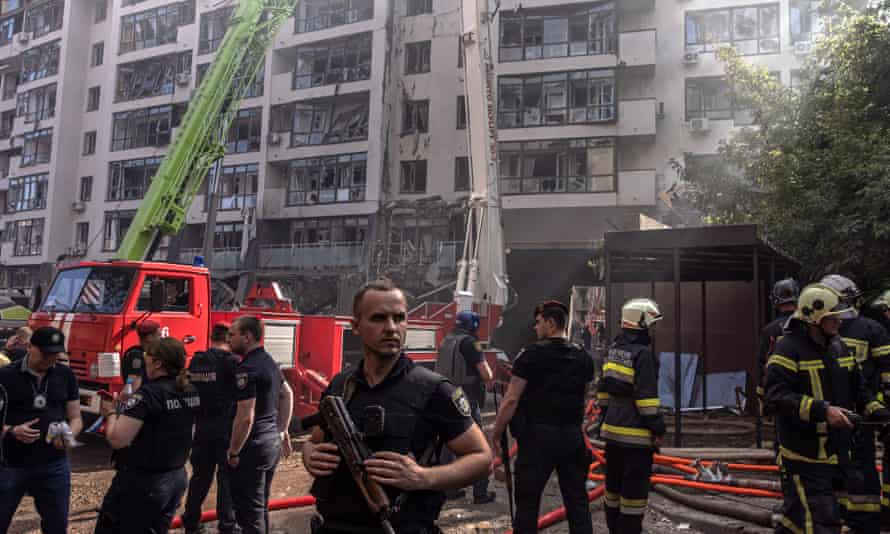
(467, 320)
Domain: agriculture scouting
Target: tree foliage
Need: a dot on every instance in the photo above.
(814, 169)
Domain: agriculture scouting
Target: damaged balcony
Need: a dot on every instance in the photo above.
(321, 243)
(322, 69)
(298, 127)
(157, 76)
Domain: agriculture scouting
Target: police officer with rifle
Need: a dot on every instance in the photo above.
(405, 414)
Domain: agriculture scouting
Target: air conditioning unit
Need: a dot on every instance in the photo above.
(78, 206)
(274, 139)
(803, 48)
(183, 79)
(690, 57)
(699, 125)
(24, 37)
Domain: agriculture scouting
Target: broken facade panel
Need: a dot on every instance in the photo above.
(151, 77)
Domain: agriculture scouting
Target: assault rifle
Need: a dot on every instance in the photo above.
(336, 420)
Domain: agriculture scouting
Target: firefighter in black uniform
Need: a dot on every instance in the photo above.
(152, 437)
(879, 310)
(544, 406)
(406, 412)
(632, 425)
(462, 361)
(868, 342)
(260, 429)
(784, 299)
(213, 375)
(813, 383)
(133, 363)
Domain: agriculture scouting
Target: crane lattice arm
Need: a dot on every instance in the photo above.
(198, 141)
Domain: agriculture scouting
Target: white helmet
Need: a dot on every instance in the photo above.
(818, 301)
(639, 314)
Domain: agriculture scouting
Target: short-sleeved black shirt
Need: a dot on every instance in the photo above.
(165, 439)
(258, 377)
(213, 374)
(557, 374)
(133, 363)
(59, 387)
(469, 349)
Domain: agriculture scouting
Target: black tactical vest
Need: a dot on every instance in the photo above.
(338, 498)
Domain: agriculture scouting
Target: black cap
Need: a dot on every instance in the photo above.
(49, 340)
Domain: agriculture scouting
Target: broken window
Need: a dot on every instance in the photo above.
(413, 177)
(557, 32)
(342, 60)
(40, 62)
(415, 239)
(28, 237)
(154, 27)
(213, 29)
(580, 97)
(86, 188)
(144, 127)
(417, 57)
(559, 166)
(461, 112)
(27, 193)
(151, 77)
(37, 147)
(7, 120)
(416, 116)
(461, 174)
(97, 57)
(750, 30)
(44, 18)
(252, 90)
(237, 187)
(37, 104)
(708, 98)
(9, 27)
(245, 132)
(322, 122)
(340, 178)
(419, 7)
(129, 179)
(228, 236)
(314, 15)
(94, 94)
(329, 230)
(10, 85)
(116, 225)
(89, 143)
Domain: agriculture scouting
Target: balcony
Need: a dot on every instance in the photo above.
(635, 188)
(637, 48)
(312, 256)
(224, 259)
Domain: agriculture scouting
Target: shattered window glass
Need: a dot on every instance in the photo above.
(28, 237)
(37, 147)
(40, 62)
(26, 193)
(37, 104)
(129, 179)
(237, 187)
(154, 27)
(144, 127)
(340, 178)
(416, 116)
(336, 120)
(342, 60)
(151, 77)
(557, 32)
(413, 177)
(213, 29)
(116, 225)
(44, 18)
(417, 57)
(245, 131)
(560, 166)
(314, 15)
(579, 97)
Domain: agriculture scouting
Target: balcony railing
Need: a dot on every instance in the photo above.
(223, 258)
(312, 255)
(329, 20)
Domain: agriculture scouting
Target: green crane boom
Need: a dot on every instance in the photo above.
(198, 141)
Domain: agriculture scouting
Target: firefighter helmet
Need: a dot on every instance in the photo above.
(785, 291)
(818, 301)
(844, 286)
(639, 314)
(882, 302)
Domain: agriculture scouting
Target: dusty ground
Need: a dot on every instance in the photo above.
(92, 474)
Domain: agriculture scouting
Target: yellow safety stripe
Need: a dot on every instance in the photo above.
(807, 365)
(849, 362)
(859, 507)
(872, 407)
(618, 368)
(778, 359)
(883, 350)
(648, 403)
(627, 431)
(788, 454)
(885, 378)
(880, 397)
(802, 495)
(611, 499)
(806, 405)
(885, 501)
(816, 382)
(633, 506)
(636, 503)
(859, 347)
(787, 523)
(602, 395)
(885, 488)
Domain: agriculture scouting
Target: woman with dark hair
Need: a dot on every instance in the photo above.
(152, 436)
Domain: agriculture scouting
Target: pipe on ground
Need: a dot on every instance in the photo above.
(735, 510)
(274, 504)
(705, 486)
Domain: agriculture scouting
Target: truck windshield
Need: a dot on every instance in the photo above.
(89, 289)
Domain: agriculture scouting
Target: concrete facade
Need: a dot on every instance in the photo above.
(354, 166)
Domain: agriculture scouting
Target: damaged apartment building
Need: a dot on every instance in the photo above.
(348, 156)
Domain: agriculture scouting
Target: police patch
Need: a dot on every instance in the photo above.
(241, 380)
(461, 402)
(134, 400)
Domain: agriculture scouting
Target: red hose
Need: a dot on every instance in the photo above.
(497, 461)
(673, 461)
(559, 514)
(706, 486)
(274, 504)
